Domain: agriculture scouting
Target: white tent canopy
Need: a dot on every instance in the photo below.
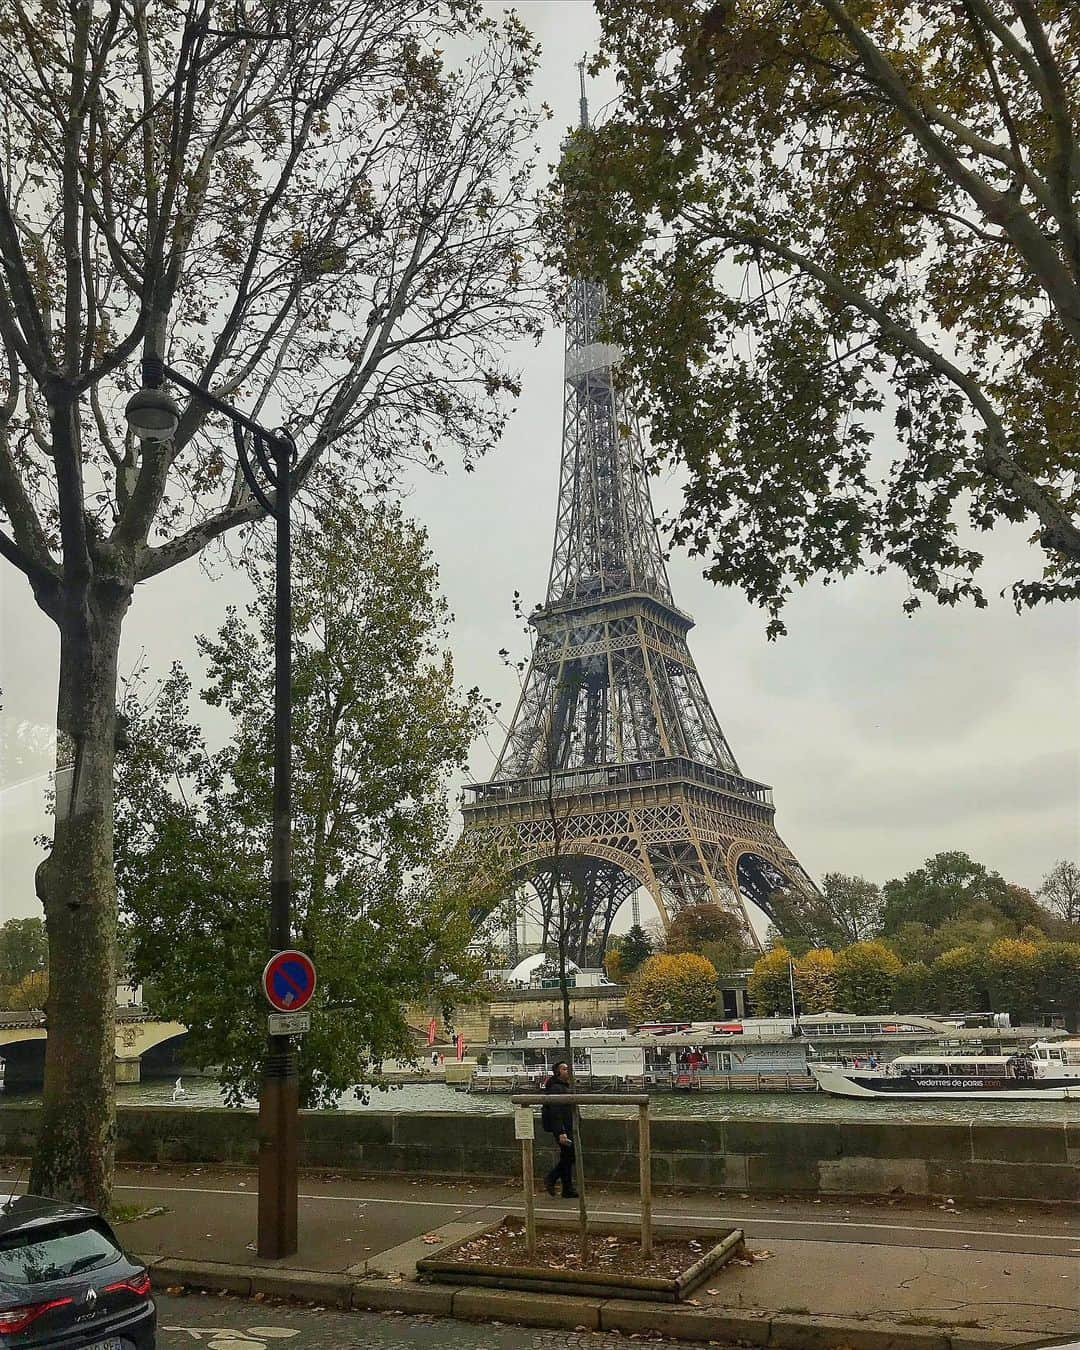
(524, 971)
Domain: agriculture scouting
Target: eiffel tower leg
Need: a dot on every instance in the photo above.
(651, 885)
(789, 905)
(512, 950)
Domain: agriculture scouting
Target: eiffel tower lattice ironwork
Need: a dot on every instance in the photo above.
(615, 773)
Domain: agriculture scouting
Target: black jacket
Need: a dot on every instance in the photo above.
(555, 1118)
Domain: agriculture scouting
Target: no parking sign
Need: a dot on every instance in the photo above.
(288, 981)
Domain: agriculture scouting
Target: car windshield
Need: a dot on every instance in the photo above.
(43, 1254)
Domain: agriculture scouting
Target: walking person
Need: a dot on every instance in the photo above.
(558, 1120)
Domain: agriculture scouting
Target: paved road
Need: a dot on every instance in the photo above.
(397, 1209)
(236, 1324)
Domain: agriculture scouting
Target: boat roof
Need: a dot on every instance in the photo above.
(952, 1059)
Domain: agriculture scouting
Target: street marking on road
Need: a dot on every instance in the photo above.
(228, 1338)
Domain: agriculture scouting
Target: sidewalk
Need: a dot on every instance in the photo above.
(843, 1274)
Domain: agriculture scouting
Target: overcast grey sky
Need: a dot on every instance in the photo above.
(886, 738)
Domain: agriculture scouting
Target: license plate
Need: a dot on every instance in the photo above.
(113, 1344)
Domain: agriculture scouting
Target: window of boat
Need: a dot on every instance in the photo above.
(56, 1252)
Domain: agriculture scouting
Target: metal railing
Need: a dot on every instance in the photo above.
(574, 781)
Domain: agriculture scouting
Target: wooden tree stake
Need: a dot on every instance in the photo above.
(530, 1200)
(579, 1169)
(645, 1160)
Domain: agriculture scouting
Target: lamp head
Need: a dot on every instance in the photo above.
(152, 415)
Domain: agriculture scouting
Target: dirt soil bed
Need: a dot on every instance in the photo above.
(560, 1249)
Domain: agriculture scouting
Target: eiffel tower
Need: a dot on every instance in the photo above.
(615, 773)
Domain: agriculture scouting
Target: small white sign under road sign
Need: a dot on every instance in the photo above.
(523, 1122)
(288, 1024)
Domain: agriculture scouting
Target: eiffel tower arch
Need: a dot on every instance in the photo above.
(615, 774)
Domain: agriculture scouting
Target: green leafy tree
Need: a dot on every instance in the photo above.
(769, 985)
(1057, 980)
(951, 886)
(635, 950)
(815, 980)
(811, 215)
(728, 957)
(1060, 891)
(912, 942)
(383, 903)
(23, 950)
(914, 990)
(959, 980)
(1020, 909)
(920, 942)
(865, 975)
(850, 907)
(666, 986)
(710, 931)
(334, 231)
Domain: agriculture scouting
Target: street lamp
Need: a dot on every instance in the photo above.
(154, 416)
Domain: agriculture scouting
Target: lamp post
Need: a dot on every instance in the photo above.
(153, 416)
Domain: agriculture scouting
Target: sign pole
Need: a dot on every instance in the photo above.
(530, 1198)
(279, 1101)
(288, 982)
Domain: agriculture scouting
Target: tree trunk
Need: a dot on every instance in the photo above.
(76, 883)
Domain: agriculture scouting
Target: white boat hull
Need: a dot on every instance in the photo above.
(841, 1082)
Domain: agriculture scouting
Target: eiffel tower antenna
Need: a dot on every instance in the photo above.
(584, 104)
(615, 773)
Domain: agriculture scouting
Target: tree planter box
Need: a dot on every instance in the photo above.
(448, 1268)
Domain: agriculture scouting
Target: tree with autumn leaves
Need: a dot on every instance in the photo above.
(842, 245)
(668, 987)
(1027, 979)
(318, 214)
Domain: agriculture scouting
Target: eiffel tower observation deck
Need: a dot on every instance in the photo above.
(616, 773)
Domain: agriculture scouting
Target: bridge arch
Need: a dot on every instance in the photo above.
(22, 1046)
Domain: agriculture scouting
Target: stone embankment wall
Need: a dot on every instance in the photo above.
(967, 1161)
(513, 1012)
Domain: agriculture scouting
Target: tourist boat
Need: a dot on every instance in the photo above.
(1057, 1059)
(997, 1077)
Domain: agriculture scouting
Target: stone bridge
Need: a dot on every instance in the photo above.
(23, 1036)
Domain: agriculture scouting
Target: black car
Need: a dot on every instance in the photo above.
(66, 1283)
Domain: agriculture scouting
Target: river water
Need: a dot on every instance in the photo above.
(433, 1097)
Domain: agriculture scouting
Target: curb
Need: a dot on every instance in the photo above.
(774, 1330)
